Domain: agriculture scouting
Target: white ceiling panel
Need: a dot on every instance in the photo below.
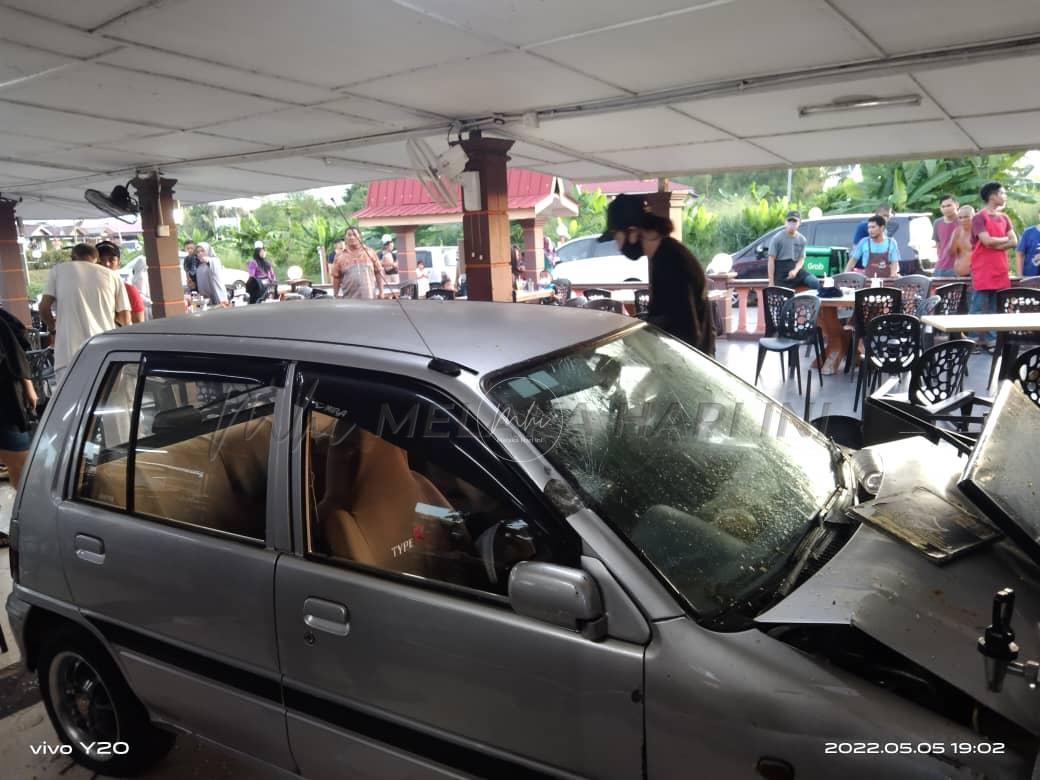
(583, 171)
(29, 147)
(742, 38)
(336, 172)
(942, 25)
(507, 81)
(295, 126)
(98, 158)
(859, 143)
(30, 30)
(188, 195)
(716, 155)
(1006, 130)
(21, 62)
(86, 15)
(514, 22)
(16, 172)
(189, 145)
(327, 42)
(983, 88)
(522, 148)
(57, 126)
(384, 113)
(626, 130)
(235, 180)
(772, 113)
(138, 97)
(390, 153)
(176, 65)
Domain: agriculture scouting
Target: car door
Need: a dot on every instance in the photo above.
(400, 653)
(165, 543)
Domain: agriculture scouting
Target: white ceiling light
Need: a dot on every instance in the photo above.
(854, 104)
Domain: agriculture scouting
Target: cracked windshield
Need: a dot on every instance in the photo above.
(712, 481)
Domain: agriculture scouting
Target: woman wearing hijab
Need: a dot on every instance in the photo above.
(357, 272)
(17, 400)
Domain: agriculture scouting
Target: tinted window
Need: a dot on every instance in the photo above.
(101, 475)
(395, 482)
(606, 249)
(835, 233)
(578, 249)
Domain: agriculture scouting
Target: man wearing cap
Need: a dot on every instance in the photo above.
(108, 256)
(787, 256)
(678, 287)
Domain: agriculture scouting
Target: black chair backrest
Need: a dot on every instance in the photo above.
(939, 372)
(563, 290)
(798, 318)
(596, 292)
(577, 302)
(892, 342)
(440, 295)
(953, 298)
(853, 279)
(1027, 373)
(872, 302)
(914, 288)
(408, 292)
(605, 304)
(927, 306)
(642, 301)
(1019, 299)
(773, 300)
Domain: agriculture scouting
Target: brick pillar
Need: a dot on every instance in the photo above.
(668, 204)
(155, 194)
(405, 243)
(534, 245)
(13, 293)
(486, 231)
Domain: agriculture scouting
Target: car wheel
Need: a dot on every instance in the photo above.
(93, 710)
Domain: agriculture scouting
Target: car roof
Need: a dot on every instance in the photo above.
(897, 215)
(480, 336)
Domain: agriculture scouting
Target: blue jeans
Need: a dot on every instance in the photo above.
(984, 302)
(943, 273)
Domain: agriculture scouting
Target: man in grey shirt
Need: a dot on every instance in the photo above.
(787, 256)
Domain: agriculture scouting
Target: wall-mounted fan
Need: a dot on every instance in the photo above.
(119, 203)
(439, 173)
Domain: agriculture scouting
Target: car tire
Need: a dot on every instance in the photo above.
(88, 701)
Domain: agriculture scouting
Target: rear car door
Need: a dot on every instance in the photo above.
(166, 545)
(400, 653)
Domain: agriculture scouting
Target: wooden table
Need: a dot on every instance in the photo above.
(957, 323)
(835, 337)
(529, 296)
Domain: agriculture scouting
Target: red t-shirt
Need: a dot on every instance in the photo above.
(989, 267)
(136, 301)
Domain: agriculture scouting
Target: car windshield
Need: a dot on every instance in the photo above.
(712, 481)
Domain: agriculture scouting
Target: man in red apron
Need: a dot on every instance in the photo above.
(991, 237)
(877, 254)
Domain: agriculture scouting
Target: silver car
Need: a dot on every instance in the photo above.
(558, 544)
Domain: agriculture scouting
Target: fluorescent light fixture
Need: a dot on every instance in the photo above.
(854, 104)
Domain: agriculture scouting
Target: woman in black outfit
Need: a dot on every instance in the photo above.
(17, 399)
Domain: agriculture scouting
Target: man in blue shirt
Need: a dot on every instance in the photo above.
(877, 254)
(1027, 254)
(884, 210)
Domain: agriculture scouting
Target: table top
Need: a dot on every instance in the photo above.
(983, 322)
(523, 296)
(840, 302)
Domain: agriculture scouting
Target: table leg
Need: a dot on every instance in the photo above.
(835, 338)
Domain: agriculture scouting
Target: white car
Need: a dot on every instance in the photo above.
(135, 271)
(586, 263)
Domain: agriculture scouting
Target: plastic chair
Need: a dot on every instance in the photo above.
(563, 290)
(1009, 301)
(914, 288)
(891, 344)
(408, 292)
(796, 325)
(1026, 372)
(596, 292)
(853, 279)
(642, 301)
(953, 298)
(927, 306)
(773, 300)
(440, 295)
(871, 302)
(605, 304)
(577, 302)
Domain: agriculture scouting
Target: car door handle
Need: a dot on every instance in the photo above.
(90, 549)
(327, 616)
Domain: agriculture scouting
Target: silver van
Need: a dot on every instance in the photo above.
(561, 545)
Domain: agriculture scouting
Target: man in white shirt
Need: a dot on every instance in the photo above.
(90, 300)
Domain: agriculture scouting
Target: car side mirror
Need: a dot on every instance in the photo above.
(559, 595)
(760, 251)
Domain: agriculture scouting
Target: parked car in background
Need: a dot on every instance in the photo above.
(587, 262)
(306, 534)
(750, 262)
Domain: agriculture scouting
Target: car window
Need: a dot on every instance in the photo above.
(578, 249)
(394, 481)
(200, 453)
(606, 249)
(835, 233)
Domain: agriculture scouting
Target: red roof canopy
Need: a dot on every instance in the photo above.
(408, 198)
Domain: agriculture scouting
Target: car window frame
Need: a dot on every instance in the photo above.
(156, 360)
(535, 508)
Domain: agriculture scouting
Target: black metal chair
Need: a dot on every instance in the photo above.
(605, 304)
(796, 325)
(641, 299)
(853, 279)
(871, 302)
(563, 290)
(596, 292)
(914, 288)
(891, 344)
(1010, 301)
(1026, 372)
(408, 292)
(577, 302)
(440, 294)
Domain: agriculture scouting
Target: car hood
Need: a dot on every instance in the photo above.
(931, 614)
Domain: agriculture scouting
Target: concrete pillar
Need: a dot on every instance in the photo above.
(534, 245)
(668, 204)
(155, 194)
(12, 268)
(486, 231)
(404, 240)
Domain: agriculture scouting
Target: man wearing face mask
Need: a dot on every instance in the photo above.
(678, 287)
